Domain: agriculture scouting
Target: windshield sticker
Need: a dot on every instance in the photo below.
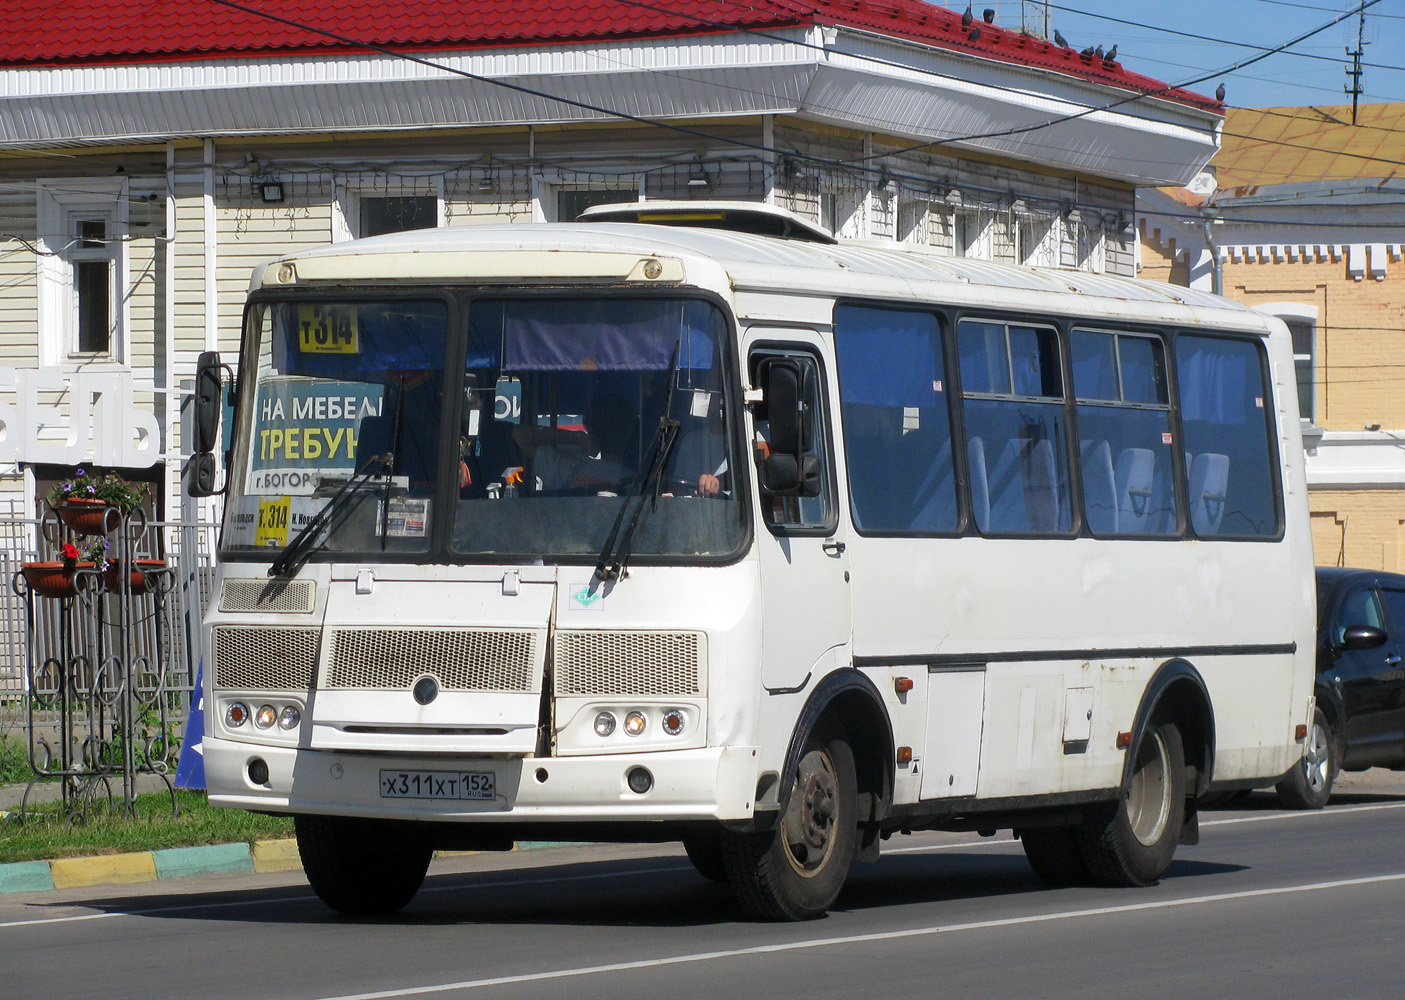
(307, 429)
(583, 597)
(273, 523)
(327, 329)
(406, 517)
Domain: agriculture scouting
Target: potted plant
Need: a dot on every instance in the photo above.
(83, 501)
(55, 578)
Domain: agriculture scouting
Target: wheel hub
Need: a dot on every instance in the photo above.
(808, 826)
(1149, 793)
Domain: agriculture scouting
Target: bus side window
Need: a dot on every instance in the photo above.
(791, 515)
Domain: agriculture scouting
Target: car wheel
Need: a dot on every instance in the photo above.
(1309, 784)
(795, 871)
(1131, 842)
(361, 866)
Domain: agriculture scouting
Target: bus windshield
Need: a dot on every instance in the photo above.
(517, 441)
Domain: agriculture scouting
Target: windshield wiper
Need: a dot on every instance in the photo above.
(614, 556)
(296, 553)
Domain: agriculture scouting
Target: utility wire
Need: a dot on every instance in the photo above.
(1219, 41)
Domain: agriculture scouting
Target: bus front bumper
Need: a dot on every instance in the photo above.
(710, 783)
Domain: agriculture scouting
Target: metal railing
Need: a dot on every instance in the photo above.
(172, 637)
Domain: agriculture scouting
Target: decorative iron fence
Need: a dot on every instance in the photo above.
(33, 631)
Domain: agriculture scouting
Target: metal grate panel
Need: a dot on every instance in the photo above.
(267, 595)
(459, 659)
(264, 658)
(629, 663)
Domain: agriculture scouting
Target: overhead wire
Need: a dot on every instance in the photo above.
(858, 163)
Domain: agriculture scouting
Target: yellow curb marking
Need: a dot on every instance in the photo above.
(276, 855)
(69, 873)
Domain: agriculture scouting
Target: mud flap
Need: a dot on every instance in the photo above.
(1190, 828)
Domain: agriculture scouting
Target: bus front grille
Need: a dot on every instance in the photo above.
(267, 595)
(264, 657)
(459, 659)
(665, 664)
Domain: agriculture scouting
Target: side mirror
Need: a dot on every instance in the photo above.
(200, 475)
(783, 475)
(208, 372)
(1362, 637)
(791, 426)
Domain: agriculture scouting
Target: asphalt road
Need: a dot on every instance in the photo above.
(1270, 904)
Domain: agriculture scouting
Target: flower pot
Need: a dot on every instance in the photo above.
(51, 579)
(86, 517)
(136, 577)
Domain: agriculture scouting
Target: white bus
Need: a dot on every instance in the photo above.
(693, 524)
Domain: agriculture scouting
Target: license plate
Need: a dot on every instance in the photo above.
(438, 785)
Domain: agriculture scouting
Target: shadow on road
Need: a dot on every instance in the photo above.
(648, 892)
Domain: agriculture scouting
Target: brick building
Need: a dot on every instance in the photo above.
(1303, 217)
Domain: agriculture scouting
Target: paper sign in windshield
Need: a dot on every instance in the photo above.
(327, 329)
(306, 430)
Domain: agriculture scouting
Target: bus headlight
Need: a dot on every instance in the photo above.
(604, 724)
(236, 714)
(265, 716)
(289, 718)
(635, 723)
(673, 721)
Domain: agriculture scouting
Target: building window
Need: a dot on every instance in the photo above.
(1038, 245)
(82, 272)
(1089, 252)
(973, 235)
(1304, 332)
(571, 202)
(359, 212)
(398, 214)
(913, 226)
(1301, 320)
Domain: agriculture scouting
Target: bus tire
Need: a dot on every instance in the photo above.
(1309, 784)
(795, 872)
(1055, 855)
(361, 866)
(704, 850)
(1130, 842)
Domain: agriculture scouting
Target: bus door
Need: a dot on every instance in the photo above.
(801, 541)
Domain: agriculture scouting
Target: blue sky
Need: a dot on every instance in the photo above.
(1287, 78)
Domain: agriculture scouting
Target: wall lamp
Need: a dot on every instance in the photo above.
(271, 192)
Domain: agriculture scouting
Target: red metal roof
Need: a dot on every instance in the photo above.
(68, 32)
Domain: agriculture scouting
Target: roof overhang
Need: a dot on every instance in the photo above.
(852, 79)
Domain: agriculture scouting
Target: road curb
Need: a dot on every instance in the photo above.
(149, 866)
(174, 862)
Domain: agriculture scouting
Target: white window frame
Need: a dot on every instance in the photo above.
(1301, 312)
(548, 184)
(346, 206)
(979, 246)
(1045, 251)
(60, 205)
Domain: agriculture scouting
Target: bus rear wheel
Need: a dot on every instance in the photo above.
(362, 866)
(1131, 842)
(1055, 855)
(795, 872)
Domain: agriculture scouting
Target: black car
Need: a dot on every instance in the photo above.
(1360, 718)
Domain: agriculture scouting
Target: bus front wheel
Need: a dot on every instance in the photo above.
(795, 872)
(361, 866)
(1131, 842)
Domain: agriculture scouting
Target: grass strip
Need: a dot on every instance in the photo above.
(46, 835)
